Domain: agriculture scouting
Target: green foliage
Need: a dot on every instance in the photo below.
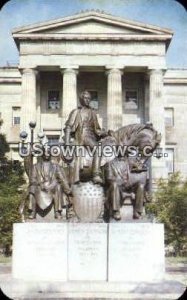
(9, 214)
(170, 208)
(4, 147)
(11, 173)
(11, 179)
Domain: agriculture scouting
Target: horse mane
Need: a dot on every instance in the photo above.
(125, 133)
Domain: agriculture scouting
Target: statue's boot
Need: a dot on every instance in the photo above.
(32, 207)
(58, 215)
(137, 215)
(117, 215)
(70, 212)
(32, 215)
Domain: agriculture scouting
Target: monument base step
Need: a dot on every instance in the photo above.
(23, 290)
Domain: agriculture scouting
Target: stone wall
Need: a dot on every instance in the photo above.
(175, 95)
(10, 97)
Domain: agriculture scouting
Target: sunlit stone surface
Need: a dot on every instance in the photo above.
(136, 252)
(87, 248)
(119, 252)
(40, 251)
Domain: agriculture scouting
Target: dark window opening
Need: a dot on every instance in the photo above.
(131, 99)
(94, 103)
(53, 100)
(53, 139)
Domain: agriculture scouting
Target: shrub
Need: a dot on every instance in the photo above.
(170, 207)
(11, 179)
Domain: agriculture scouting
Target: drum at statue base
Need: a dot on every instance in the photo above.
(88, 201)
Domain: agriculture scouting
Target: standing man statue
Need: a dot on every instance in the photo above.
(83, 125)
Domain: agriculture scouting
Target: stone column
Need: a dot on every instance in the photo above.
(114, 99)
(69, 94)
(156, 117)
(146, 98)
(28, 97)
(38, 104)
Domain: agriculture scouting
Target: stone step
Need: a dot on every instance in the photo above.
(100, 296)
(20, 290)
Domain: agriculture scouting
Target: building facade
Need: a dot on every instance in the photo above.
(121, 62)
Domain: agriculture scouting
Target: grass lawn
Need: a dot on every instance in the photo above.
(5, 259)
(176, 260)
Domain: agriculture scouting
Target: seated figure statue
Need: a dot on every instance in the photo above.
(48, 183)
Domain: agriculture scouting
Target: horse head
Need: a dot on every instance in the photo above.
(146, 136)
(139, 135)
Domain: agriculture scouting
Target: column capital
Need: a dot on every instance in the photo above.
(156, 71)
(69, 70)
(29, 71)
(114, 71)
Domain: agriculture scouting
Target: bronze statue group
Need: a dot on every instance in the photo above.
(51, 183)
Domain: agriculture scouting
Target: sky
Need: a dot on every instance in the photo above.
(164, 13)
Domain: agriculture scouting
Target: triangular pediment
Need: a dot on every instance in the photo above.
(91, 27)
(92, 22)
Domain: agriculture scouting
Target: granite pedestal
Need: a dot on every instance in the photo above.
(88, 251)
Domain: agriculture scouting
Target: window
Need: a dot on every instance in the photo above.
(53, 139)
(16, 112)
(131, 99)
(94, 103)
(16, 120)
(53, 100)
(169, 156)
(169, 116)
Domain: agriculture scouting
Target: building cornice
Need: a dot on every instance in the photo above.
(113, 37)
(49, 30)
(10, 80)
(175, 80)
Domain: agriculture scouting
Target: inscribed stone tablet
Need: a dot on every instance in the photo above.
(40, 251)
(87, 251)
(136, 251)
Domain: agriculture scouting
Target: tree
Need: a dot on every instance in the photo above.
(11, 179)
(4, 147)
(170, 207)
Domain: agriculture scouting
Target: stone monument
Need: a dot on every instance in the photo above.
(86, 245)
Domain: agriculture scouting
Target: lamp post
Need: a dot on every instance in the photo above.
(28, 161)
(32, 126)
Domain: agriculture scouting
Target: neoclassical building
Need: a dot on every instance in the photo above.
(121, 62)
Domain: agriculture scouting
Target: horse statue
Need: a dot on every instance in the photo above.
(127, 175)
(122, 174)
